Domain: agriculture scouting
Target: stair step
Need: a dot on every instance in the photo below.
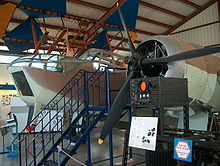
(96, 108)
(65, 150)
(88, 115)
(72, 139)
(79, 126)
(50, 163)
(114, 90)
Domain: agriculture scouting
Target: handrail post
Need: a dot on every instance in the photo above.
(19, 146)
(58, 157)
(34, 152)
(86, 105)
(108, 103)
(89, 160)
(86, 92)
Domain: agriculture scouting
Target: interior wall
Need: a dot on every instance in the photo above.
(5, 95)
(205, 36)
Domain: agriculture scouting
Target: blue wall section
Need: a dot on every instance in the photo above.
(23, 32)
(57, 6)
(9, 87)
(101, 41)
(129, 10)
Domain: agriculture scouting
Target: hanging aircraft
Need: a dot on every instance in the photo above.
(162, 56)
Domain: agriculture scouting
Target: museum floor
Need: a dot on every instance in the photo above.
(99, 152)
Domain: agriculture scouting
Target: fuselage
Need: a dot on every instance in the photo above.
(202, 73)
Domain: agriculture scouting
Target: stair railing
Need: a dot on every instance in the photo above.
(35, 144)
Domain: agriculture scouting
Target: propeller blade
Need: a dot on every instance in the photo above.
(132, 48)
(183, 55)
(116, 109)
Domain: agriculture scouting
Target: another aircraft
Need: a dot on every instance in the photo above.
(167, 57)
(38, 86)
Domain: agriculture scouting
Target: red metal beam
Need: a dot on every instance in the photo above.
(119, 43)
(145, 32)
(120, 38)
(213, 45)
(34, 33)
(88, 4)
(190, 17)
(190, 3)
(18, 21)
(68, 16)
(60, 50)
(162, 9)
(103, 18)
(98, 22)
(121, 49)
(92, 31)
(59, 38)
(99, 7)
(153, 22)
(196, 27)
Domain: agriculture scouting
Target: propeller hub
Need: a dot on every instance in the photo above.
(151, 49)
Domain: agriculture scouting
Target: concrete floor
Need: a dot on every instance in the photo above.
(99, 152)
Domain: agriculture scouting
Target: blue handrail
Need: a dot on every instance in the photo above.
(60, 98)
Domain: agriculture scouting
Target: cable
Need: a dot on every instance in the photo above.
(60, 149)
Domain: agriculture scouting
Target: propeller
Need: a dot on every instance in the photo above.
(122, 96)
(116, 109)
(132, 48)
(135, 63)
(183, 55)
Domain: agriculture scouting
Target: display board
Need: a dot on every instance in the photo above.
(143, 133)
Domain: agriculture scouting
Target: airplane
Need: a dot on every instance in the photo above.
(37, 86)
(157, 56)
(203, 71)
(163, 56)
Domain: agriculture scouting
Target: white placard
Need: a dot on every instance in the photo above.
(143, 133)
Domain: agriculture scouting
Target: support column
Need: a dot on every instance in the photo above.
(34, 34)
(37, 107)
(186, 117)
(218, 1)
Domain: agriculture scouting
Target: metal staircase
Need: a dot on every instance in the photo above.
(66, 121)
(77, 138)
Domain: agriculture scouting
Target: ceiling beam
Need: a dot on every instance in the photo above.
(190, 3)
(202, 8)
(117, 46)
(153, 22)
(69, 29)
(91, 33)
(121, 38)
(196, 27)
(95, 6)
(98, 22)
(149, 5)
(121, 49)
(102, 8)
(88, 4)
(145, 32)
(59, 38)
(13, 20)
(94, 28)
(55, 49)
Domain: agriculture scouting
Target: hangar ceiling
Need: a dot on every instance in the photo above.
(84, 18)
